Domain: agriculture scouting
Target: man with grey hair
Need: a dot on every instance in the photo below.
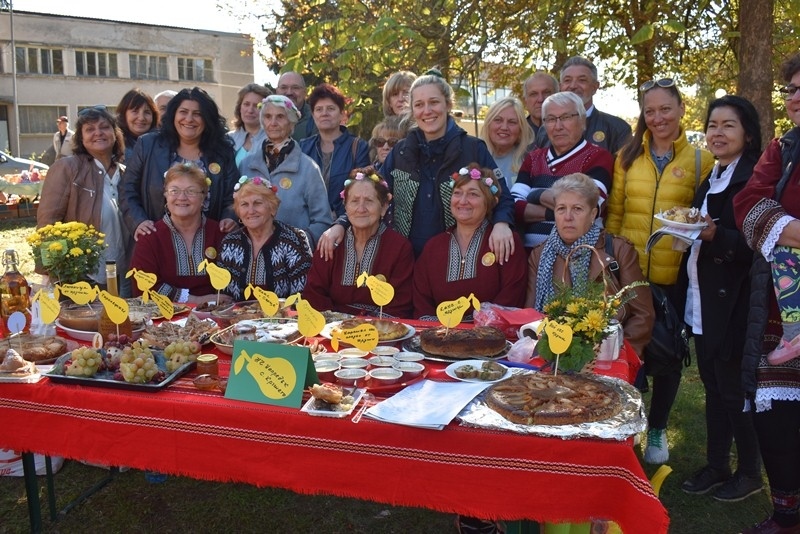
(536, 88)
(293, 86)
(161, 100)
(564, 120)
(579, 76)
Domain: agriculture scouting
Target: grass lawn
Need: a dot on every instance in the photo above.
(130, 504)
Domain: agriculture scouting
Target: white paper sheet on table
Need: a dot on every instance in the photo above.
(426, 404)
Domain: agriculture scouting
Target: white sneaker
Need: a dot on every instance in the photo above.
(657, 451)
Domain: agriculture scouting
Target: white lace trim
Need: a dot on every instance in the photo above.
(765, 396)
(774, 234)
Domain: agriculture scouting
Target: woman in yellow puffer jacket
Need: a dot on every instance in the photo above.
(657, 170)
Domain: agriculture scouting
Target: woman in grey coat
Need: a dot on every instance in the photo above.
(304, 199)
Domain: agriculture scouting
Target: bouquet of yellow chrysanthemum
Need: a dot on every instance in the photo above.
(69, 252)
(587, 311)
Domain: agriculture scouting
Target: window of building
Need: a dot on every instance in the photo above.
(99, 64)
(39, 119)
(33, 60)
(148, 67)
(195, 69)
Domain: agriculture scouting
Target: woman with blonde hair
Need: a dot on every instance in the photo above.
(506, 136)
(396, 94)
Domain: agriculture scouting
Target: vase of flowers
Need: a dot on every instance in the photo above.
(69, 252)
(587, 310)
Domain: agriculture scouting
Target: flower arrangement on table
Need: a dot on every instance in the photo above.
(69, 252)
(587, 310)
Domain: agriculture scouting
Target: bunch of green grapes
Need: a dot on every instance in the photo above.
(84, 362)
(138, 365)
(178, 353)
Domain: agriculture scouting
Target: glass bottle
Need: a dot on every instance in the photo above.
(15, 293)
(107, 326)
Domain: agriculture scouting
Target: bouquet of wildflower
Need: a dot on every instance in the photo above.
(69, 252)
(587, 311)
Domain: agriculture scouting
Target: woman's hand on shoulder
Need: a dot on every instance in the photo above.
(329, 240)
(501, 242)
(144, 228)
(227, 225)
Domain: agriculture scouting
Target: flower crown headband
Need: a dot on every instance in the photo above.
(475, 174)
(257, 180)
(361, 176)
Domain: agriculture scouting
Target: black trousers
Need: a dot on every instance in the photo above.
(725, 420)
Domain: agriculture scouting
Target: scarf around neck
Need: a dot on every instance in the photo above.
(578, 266)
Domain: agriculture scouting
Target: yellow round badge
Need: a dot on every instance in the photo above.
(285, 183)
(214, 168)
(598, 136)
(488, 259)
(380, 277)
(678, 172)
(211, 253)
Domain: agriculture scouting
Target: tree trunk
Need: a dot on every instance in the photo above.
(755, 60)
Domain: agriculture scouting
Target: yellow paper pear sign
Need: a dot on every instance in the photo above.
(310, 322)
(364, 337)
(276, 377)
(220, 278)
(268, 300)
(451, 312)
(116, 307)
(162, 301)
(49, 307)
(80, 293)
(559, 336)
(144, 281)
(381, 292)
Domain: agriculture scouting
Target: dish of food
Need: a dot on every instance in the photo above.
(43, 350)
(481, 341)
(681, 218)
(105, 378)
(413, 345)
(241, 311)
(14, 368)
(189, 329)
(388, 331)
(88, 336)
(150, 309)
(278, 330)
(480, 371)
(338, 404)
(544, 399)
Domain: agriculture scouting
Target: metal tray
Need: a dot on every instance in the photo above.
(104, 379)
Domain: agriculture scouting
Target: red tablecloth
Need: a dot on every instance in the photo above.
(475, 472)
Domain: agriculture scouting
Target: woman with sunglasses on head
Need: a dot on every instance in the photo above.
(768, 214)
(182, 239)
(385, 135)
(715, 282)
(419, 170)
(303, 198)
(192, 131)
(505, 132)
(657, 170)
(84, 187)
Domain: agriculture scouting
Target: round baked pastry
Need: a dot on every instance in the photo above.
(36, 348)
(387, 330)
(543, 399)
(463, 344)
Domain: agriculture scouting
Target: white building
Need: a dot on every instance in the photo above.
(65, 64)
